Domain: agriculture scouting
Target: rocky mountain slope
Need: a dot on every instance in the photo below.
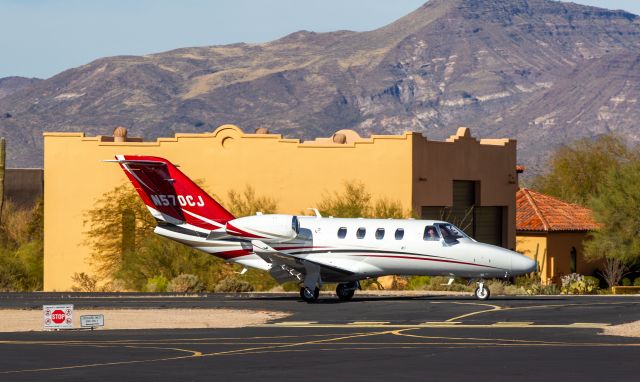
(9, 85)
(540, 71)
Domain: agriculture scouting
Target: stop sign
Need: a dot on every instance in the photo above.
(58, 316)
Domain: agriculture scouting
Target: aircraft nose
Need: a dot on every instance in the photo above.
(521, 264)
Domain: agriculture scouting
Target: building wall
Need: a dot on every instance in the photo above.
(553, 252)
(534, 246)
(560, 246)
(489, 162)
(296, 174)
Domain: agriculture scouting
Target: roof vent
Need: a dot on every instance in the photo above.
(262, 130)
(339, 138)
(120, 134)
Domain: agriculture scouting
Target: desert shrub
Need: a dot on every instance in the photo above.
(83, 282)
(290, 286)
(417, 282)
(439, 283)
(525, 281)
(578, 284)
(387, 208)
(592, 280)
(259, 280)
(355, 201)
(245, 202)
(156, 284)
(636, 282)
(233, 284)
(21, 247)
(496, 287)
(541, 289)
(626, 281)
(185, 283)
(12, 273)
(115, 285)
(514, 290)
(371, 284)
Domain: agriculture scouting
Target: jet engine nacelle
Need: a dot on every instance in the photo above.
(267, 228)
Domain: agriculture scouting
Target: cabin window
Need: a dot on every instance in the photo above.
(361, 232)
(342, 232)
(380, 233)
(399, 233)
(430, 233)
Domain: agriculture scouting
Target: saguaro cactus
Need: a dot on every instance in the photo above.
(2, 159)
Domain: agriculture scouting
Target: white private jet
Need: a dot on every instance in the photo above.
(313, 249)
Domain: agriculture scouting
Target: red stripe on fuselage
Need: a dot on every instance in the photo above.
(302, 247)
(232, 254)
(426, 259)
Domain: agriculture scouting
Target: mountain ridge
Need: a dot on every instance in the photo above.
(540, 71)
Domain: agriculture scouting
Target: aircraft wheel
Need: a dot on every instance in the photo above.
(345, 292)
(482, 293)
(309, 295)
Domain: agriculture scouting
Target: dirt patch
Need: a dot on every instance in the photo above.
(631, 329)
(15, 320)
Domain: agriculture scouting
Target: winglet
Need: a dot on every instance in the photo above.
(318, 215)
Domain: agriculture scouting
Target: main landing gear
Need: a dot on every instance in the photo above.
(309, 295)
(482, 293)
(345, 291)
(310, 289)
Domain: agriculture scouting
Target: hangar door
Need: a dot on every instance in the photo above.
(483, 223)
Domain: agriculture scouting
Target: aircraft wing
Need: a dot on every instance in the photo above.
(285, 267)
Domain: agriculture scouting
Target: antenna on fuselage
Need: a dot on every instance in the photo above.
(318, 215)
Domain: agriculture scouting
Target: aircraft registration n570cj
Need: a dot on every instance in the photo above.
(313, 249)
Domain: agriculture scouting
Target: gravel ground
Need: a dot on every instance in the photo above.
(16, 320)
(631, 329)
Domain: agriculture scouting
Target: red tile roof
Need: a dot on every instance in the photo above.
(540, 212)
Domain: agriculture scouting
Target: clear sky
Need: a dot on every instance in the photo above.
(39, 38)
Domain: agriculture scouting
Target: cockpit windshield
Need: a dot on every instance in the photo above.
(450, 232)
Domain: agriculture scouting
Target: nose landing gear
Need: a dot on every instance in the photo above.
(482, 293)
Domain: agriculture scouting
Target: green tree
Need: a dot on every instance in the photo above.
(246, 203)
(124, 247)
(578, 170)
(617, 210)
(21, 247)
(355, 201)
(352, 202)
(117, 221)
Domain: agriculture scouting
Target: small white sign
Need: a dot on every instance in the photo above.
(58, 316)
(92, 321)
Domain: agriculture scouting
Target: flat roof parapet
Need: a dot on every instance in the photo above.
(344, 137)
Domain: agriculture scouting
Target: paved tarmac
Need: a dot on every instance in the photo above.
(373, 338)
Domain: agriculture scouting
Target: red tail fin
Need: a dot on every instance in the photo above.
(170, 195)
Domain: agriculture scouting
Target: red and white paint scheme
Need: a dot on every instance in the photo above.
(314, 249)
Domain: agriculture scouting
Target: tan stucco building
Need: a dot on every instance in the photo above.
(434, 178)
(552, 232)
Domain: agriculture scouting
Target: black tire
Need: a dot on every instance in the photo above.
(308, 295)
(482, 296)
(344, 292)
